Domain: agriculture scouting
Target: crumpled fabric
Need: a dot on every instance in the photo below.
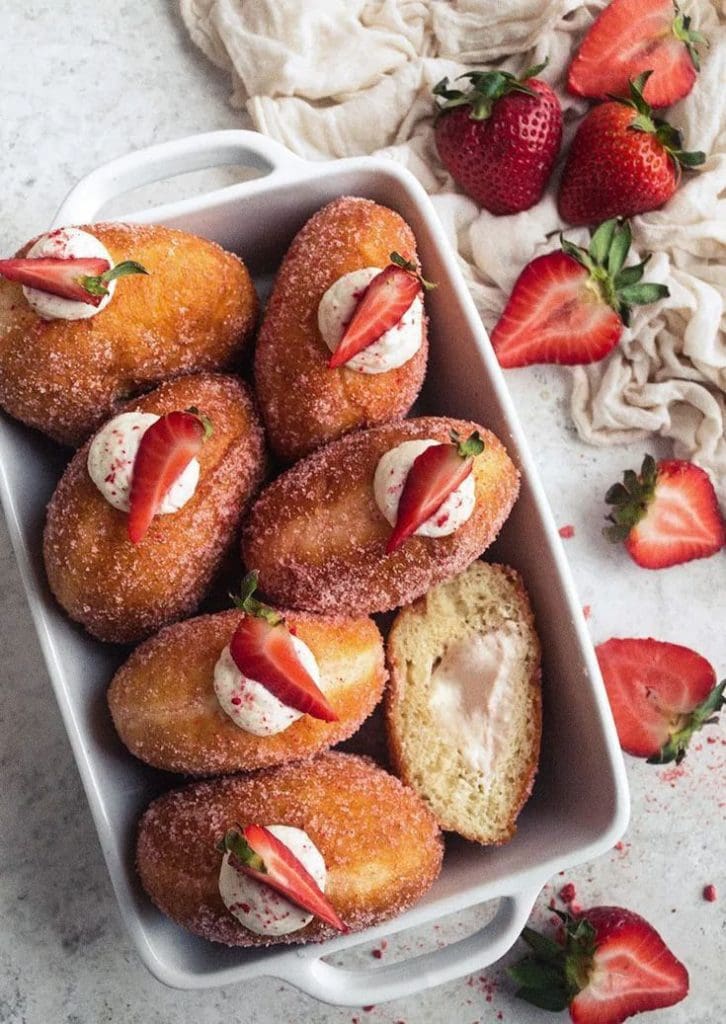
(335, 78)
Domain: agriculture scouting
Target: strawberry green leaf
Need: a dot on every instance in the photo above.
(531, 973)
(97, 285)
(619, 247)
(602, 240)
(249, 604)
(470, 448)
(674, 749)
(555, 999)
(411, 267)
(235, 844)
(682, 30)
(642, 294)
(543, 947)
(631, 275)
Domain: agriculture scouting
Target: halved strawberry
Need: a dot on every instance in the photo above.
(569, 307)
(81, 280)
(262, 649)
(256, 852)
(629, 37)
(379, 308)
(165, 451)
(435, 473)
(610, 965)
(666, 515)
(660, 694)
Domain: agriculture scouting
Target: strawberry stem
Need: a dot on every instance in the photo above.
(240, 851)
(96, 284)
(249, 604)
(682, 30)
(630, 499)
(669, 137)
(555, 972)
(411, 267)
(470, 448)
(705, 713)
(486, 88)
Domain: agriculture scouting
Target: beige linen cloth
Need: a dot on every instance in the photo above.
(333, 78)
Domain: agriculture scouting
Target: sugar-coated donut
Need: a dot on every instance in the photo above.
(164, 707)
(318, 539)
(381, 845)
(194, 311)
(121, 591)
(303, 402)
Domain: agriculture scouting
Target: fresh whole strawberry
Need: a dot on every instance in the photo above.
(262, 649)
(380, 307)
(622, 161)
(570, 306)
(666, 514)
(627, 38)
(258, 853)
(660, 695)
(434, 475)
(610, 965)
(77, 279)
(499, 140)
(165, 451)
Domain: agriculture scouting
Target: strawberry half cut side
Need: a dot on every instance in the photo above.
(263, 650)
(610, 965)
(569, 307)
(433, 476)
(80, 280)
(666, 514)
(165, 451)
(629, 37)
(256, 852)
(660, 694)
(389, 295)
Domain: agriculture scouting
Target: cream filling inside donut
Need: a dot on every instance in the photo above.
(394, 348)
(388, 484)
(262, 909)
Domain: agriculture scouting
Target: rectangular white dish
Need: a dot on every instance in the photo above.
(580, 804)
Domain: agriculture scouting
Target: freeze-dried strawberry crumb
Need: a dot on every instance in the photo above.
(566, 532)
(710, 894)
(567, 893)
(586, 611)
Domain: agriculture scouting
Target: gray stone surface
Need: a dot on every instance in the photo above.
(86, 82)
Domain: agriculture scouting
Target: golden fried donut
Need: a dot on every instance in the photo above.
(304, 403)
(164, 707)
(381, 845)
(318, 539)
(123, 592)
(195, 310)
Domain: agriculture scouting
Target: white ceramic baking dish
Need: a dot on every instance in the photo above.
(580, 803)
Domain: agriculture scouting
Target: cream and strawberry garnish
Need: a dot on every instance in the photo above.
(427, 487)
(266, 678)
(372, 319)
(272, 879)
(145, 464)
(68, 274)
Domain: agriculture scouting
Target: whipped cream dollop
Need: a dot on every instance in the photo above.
(259, 907)
(388, 484)
(111, 462)
(250, 704)
(63, 244)
(470, 694)
(394, 348)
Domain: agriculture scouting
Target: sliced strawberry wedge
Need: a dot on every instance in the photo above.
(62, 277)
(666, 514)
(632, 36)
(434, 475)
(660, 694)
(165, 451)
(263, 650)
(260, 854)
(379, 308)
(610, 965)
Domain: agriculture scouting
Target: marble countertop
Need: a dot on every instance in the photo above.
(85, 83)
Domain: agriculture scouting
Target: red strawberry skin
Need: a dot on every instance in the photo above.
(612, 171)
(629, 37)
(381, 306)
(56, 276)
(650, 685)
(554, 316)
(633, 970)
(165, 451)
(682, 523)
(503, 162)
(265, 653)
(285, 873)
(435, 473)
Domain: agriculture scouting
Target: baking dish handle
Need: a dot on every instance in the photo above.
(365, 986)
(168, 159)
